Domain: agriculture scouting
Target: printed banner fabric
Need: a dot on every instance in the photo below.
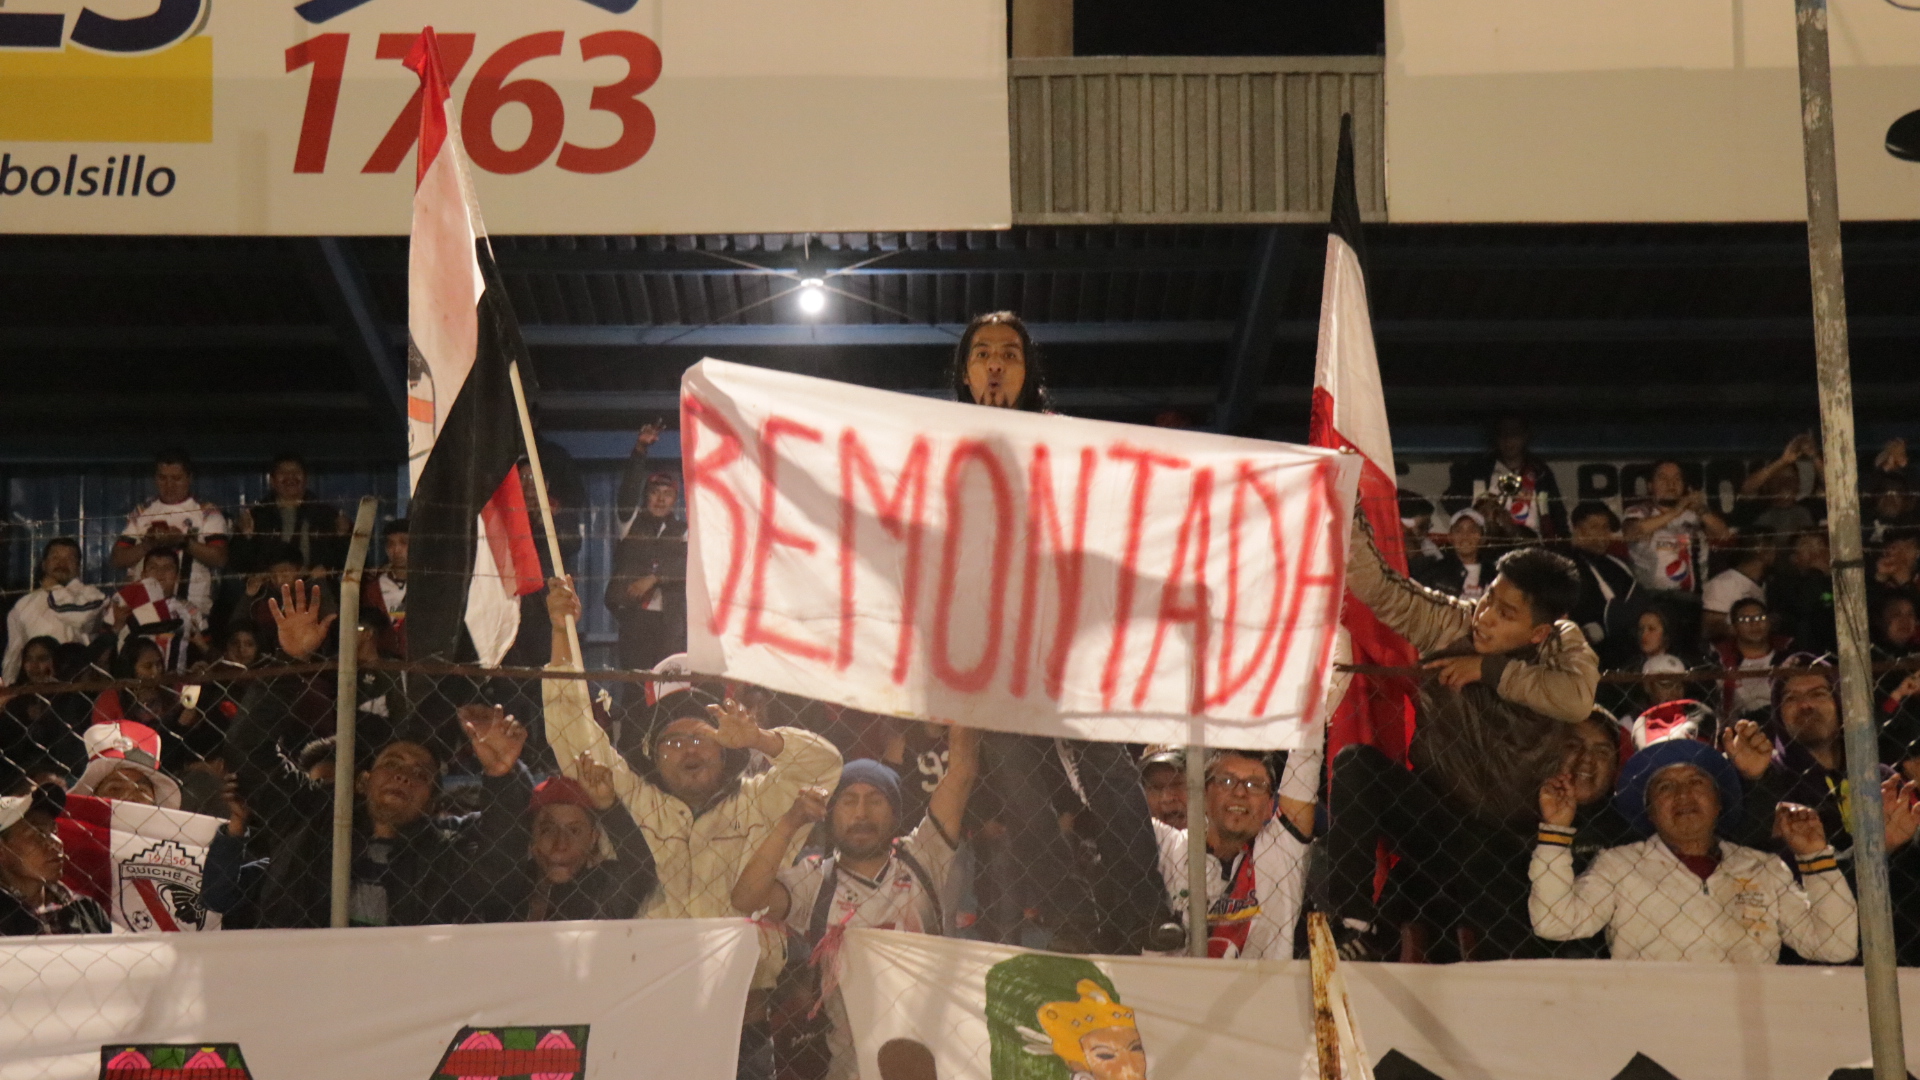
(925, 1007)
(559, 1000)
(296, 117)
(1010, 570)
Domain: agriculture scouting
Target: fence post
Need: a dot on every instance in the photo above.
(1196, 841)
(347, 709)
(1843, 530)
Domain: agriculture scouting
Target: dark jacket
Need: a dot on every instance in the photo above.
(76, 915)
(509, 880)
(317, 530)
(1605, 610)
(1447, 574)
(429, 867)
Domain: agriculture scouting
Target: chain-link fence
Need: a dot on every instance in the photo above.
(198, 756)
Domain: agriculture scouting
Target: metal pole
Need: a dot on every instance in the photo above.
(347, 709)
(540, 492)
(1196, 842)
(1843, 530)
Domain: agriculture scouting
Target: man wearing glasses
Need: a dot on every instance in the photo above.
(1256, 859)
(1753, 647)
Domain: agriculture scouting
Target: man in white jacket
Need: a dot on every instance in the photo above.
(1685, 894)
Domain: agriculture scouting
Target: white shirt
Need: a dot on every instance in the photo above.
(1668, 559)
(897, 898)
(67, 613)
(1278, 882)
(202, 522)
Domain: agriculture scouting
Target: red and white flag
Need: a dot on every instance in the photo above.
(146, 865)
(1350, 413)
(473, 555)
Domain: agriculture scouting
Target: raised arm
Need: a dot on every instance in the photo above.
(633, 478)
(571, 728)
(1818, 919)
(758, 888)
(1562, 907)
(948, 804)
(1427, 619)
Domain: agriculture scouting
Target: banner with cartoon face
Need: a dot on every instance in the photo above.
(295, 117)
(929, 1008)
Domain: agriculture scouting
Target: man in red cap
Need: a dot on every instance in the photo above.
(550, 862)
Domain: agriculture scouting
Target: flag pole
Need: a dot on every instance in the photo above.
(347, 713)
(540, 493)
(1843, 529)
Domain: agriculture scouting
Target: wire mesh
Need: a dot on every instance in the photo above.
(196, 756)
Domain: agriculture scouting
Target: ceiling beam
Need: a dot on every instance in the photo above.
(340, 286)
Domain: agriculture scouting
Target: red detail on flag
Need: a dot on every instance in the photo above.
(155, 906)
(510, 535)
(86, 829)
(424, 60)
(1377, 711)
(112, 1073)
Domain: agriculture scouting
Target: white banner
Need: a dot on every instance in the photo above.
(1009, 570)
(580, 116)
(1640, 110)
(557, 1000)
(923, 1007)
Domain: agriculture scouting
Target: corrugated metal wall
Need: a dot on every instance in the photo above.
(1191, 140)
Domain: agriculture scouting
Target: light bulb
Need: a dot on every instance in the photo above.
(813, 297)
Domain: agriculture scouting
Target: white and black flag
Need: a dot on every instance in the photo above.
(472, 555)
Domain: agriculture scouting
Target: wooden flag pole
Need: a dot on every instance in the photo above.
(540, 493)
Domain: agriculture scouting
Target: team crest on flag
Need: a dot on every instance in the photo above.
(518, 1053)
(162, 880)
(173, 1061)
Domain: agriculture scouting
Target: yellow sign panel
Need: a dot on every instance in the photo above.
(74, 95)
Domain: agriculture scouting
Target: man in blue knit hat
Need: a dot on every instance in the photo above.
(1686, 893)
(870, 877)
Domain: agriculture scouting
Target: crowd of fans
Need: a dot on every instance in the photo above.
(1627, 744)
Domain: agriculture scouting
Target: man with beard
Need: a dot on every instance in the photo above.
(871, 876)
(1034, 778)
(1256, 859)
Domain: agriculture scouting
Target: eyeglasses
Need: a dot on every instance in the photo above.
(1236, 786)
(1749, 619)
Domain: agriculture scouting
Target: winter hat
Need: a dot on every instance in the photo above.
(661, 479)
(875, 774)
(1630, 795)
(560, 791)
(672, 665)
(1474, 516)
(1682, 719)
(125, 744)
(15, 808)
(1664, 664)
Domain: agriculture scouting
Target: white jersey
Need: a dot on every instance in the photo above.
(66, 613)
(1252, 902)
(202, 522)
